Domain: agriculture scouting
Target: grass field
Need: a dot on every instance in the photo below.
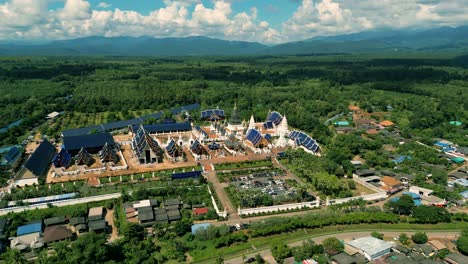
(209, 254)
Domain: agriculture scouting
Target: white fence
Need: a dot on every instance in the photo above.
(279, 208)
(213, 201)
(96, 198)
(380, 194)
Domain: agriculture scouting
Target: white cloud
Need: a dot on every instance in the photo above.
(31, 19)
(104, 5)
(331, 17)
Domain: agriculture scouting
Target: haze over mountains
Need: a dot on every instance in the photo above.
(444, 39)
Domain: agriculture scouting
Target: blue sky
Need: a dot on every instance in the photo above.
(266, 21)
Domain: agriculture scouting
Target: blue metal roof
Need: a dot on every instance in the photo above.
(254, 136)
(413, 195)
(401, 159)
(125, 123)
(14, 124)
(82, 131)
(29, 229)
(187, 108)
(12, 155)
(165, 128)
(88, 141)
(62, 159)
(197, 227)
(275, 118)
(212, 114)
(464, 194)
(302, 139)
(40, 160)
(185, 175)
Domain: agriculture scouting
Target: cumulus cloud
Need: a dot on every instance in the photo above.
(104, 5)
(331, 17)
(31, 19)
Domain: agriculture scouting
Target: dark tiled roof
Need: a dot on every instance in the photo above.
(97, 225)
(78, 220)
(88, 141)
(41, 158)
(54, 220)
(56, 233)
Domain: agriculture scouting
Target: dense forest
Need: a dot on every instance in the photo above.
(425, 93)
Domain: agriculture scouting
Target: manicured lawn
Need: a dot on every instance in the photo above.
(244, 165)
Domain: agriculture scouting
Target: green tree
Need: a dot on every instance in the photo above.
(431, 214)
(14, 256)
(439, 177)
(404, 239)
(280, 251)
(462, 242)
(404, 205)
(377, 235)
(419, 238)
(259, 259)
(133, 231)
(332, 246)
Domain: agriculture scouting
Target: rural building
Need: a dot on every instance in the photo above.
(365, 173)
(387, 123)
(35, 227)
(173, 215)
(28, 236)
(79, 223)
(58, 220)
(98, 226)
(3, 223)
(425, 249)
(52, 115)
(437, 245)
(11, 158)
(371, 247)
(56, 233)
(421, 191)
(200, 211)
(96, 213)
(28, 241)
(390, 185)
(160, 216)
(37, 165)
(456, 258)
(172, 202)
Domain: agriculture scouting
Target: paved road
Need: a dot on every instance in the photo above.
(345, 236)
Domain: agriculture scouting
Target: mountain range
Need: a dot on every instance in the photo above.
(445, 39)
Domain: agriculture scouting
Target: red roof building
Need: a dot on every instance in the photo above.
(200, 211)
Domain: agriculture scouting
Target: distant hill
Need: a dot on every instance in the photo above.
(439, 39)
(141, 46)
(444, 39)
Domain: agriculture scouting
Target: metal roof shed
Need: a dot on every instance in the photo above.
(29, 229)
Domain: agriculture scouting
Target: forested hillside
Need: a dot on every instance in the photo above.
(425, 93)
